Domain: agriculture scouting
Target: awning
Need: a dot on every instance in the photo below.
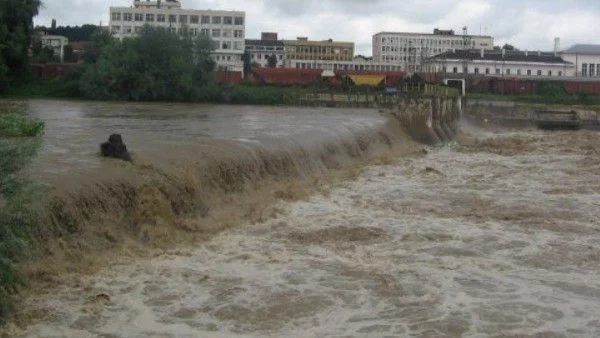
(368, 80)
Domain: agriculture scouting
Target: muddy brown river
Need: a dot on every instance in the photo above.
(495, 235)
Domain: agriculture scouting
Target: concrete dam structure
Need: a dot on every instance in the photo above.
(429, 119)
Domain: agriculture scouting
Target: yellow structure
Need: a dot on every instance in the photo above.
(367, 80)
(303, 49)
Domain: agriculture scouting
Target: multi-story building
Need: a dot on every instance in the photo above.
(268, 46)
(410, 49)
(501, 63)
(358, 64)
(586, 59)
(226, 28)
(57, 43)
(303, 49)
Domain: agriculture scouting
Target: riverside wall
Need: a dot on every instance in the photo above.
(429, 119)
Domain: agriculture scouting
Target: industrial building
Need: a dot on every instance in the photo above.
(55, 42)
(586, 59)
(500, 63)
(226, 28)
(304, 49)
(408, 50)
(261, 50)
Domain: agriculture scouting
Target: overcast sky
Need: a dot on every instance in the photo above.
(527, 24)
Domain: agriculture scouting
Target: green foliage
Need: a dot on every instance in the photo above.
(551, 89)
(16, 21)
(20, 200)
(158, 65)
(75, 33)
(261, 95)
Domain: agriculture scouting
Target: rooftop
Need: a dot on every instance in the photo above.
(583, 49)
(507, 55)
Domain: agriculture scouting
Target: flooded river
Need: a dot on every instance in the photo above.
(494, 235)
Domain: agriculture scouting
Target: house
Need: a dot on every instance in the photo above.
(586, 59)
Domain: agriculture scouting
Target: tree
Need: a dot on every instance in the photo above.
(247, 58)
(16, 27)
(158, 65)
(272, 61)
(509, 47)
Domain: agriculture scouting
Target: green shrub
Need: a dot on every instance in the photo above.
(20, 200)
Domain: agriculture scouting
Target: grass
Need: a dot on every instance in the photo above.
(565, 99)
(20, 199)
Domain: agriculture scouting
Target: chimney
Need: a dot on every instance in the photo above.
(482, 52)
(503, 53)
(556, 45)
(526, 53)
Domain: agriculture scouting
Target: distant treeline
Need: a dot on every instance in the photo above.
(75, 33)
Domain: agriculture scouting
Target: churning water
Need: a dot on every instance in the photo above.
(496, 235)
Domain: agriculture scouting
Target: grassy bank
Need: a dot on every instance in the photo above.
(20, 199)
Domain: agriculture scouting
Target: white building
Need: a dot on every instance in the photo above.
(409, 49)
(500, 63)
(261, 50)
(57, 43)
(226, 28)
(586, 59)
(358, 64)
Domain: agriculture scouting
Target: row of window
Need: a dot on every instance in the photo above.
(498, 71)
(320, 50)
(590, 69)
(184, 19)
(388, 68)
(215, 33)
(427, 42)
(264, 48)
(265, 56)
(412, 50)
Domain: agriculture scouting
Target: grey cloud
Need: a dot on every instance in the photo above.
(527, 24)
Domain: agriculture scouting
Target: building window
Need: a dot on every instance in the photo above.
(127, 29)
(160, 17)
(584, 69)
(549, 73)
(205, 19)
(476, 70)
(227, 20)
(238, 33)
(172, 29)
(139, 17)
(518, 72)
(194, 31)
(487, 71)
(237, 45)
(172, 18)
(116, 29)
(227, 33)
(598, 69)
(465, 70)
(116, 16)
(508, 71)
(150, 17)
(497, 71)
(216, 20)
(455, 70)
(138, 29)
(529, 72)
(592, 69)
(445, 69)
(205, 32)
(560, 73)
(239, 20)
(216, 33)
(194, 19)
(183, 19)
(539, 73)
(127, 16)
(226, 45)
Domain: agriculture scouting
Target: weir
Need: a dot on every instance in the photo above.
(430, 119)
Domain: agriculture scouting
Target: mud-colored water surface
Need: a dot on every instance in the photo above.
(495, 235)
